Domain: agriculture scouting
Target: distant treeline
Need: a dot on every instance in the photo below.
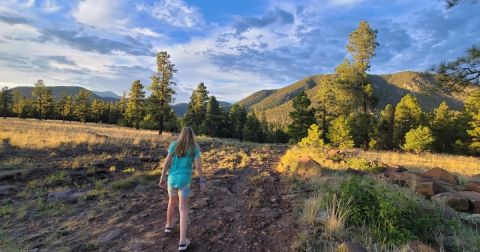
(204, 113)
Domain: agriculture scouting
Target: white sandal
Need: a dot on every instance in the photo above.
(168, 230)
(183, 247)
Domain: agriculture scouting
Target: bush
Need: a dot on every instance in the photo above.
(364, 165)
(313, 139)
(392, 216)
(418, 139)
(340, 133)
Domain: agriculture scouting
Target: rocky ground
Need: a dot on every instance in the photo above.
(94, 199)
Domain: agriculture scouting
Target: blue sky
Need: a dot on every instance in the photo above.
(234, 47)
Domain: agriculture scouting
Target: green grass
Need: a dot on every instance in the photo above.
(8, 243)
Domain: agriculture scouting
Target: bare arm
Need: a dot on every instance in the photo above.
(166, 165)
(198, 166)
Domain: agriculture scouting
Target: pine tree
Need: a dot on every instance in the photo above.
(444, 127)
(362, 44)
(313, 138)
(408, 115)
(5, 101)
(136, 104)
(340, 133)
(252, 129)
(97, 110)
(238, 116)
(83, 105)
(17, 104)
(197, 108)
(42, 99)
(69, 108)
(302, 117)
(383, 137)
(418, 139)
(472, 111)
(162, 92)
(213, 118)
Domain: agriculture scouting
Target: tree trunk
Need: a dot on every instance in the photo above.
(365, 113)
(391, 126)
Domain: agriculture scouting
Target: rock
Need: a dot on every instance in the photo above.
(351, 247)
(473, 187)
(475, 179)
(132, 160)
(441, 174)
(108, 237)
(306, 165)
(472, 220)
(453, 200)
(97, 164)
(200, 203)
(9, 174)
(7, 189)
(402, 178)
(430, 188)
(69, 195)
(473, 199)
(418, 246)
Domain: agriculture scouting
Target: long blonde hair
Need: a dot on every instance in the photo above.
(186, 142)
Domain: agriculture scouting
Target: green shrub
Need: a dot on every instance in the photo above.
(364, 165)
(418, 139)
(392, 216)
(313, 138)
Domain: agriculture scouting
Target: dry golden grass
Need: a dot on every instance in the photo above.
(35, 134)
(462, 165)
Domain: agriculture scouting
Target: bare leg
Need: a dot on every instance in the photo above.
(183, 208)
(172, 204)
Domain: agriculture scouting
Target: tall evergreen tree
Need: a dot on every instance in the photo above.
(197, 108)
(384, 129)
(5, 101)
(238, 116)
(444, 128)
(302, 117)
(136, 104)
(97, 110)
(17, 104)
(83, 105)
(340, 133)
(69, 108)
(162, 92)
(472, 111)
(42, 97)
(408, 115)
(212, 125)
(362, 44)
(252, 130)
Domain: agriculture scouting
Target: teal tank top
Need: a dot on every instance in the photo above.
(180, 173)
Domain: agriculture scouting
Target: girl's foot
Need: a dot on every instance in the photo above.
(168, 230)
(184, 246)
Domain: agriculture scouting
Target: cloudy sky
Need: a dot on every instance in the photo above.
(235, 47)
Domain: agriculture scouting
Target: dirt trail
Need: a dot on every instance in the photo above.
(232, 215)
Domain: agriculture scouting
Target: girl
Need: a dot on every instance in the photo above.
(181, 155)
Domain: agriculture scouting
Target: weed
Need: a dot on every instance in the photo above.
(129, 170)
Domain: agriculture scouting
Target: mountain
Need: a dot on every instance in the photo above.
(107, 94)
(58, 91)
(389, 88)
(181, 108)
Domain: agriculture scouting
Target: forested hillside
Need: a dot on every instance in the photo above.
(58, 91)
(389, 89)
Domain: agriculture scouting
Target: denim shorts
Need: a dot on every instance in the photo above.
(182, 192)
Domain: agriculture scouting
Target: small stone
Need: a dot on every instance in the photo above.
(108, 237)
(351, 247)
(441, 174)
(7, 189)
(69, 195)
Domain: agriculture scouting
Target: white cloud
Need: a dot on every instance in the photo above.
(145, 32)
(104, 14)
(175, 12)
(50, 6)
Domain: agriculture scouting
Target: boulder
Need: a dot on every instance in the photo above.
(306, 165)
(402, 178)
(6, 189)
(418, 246)
(430, 188)
(69, 195)
(441, 174)
(351, 247)
(10, 174)
(473, 187)
(473, 199)
(453, 200)
(475, 179)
